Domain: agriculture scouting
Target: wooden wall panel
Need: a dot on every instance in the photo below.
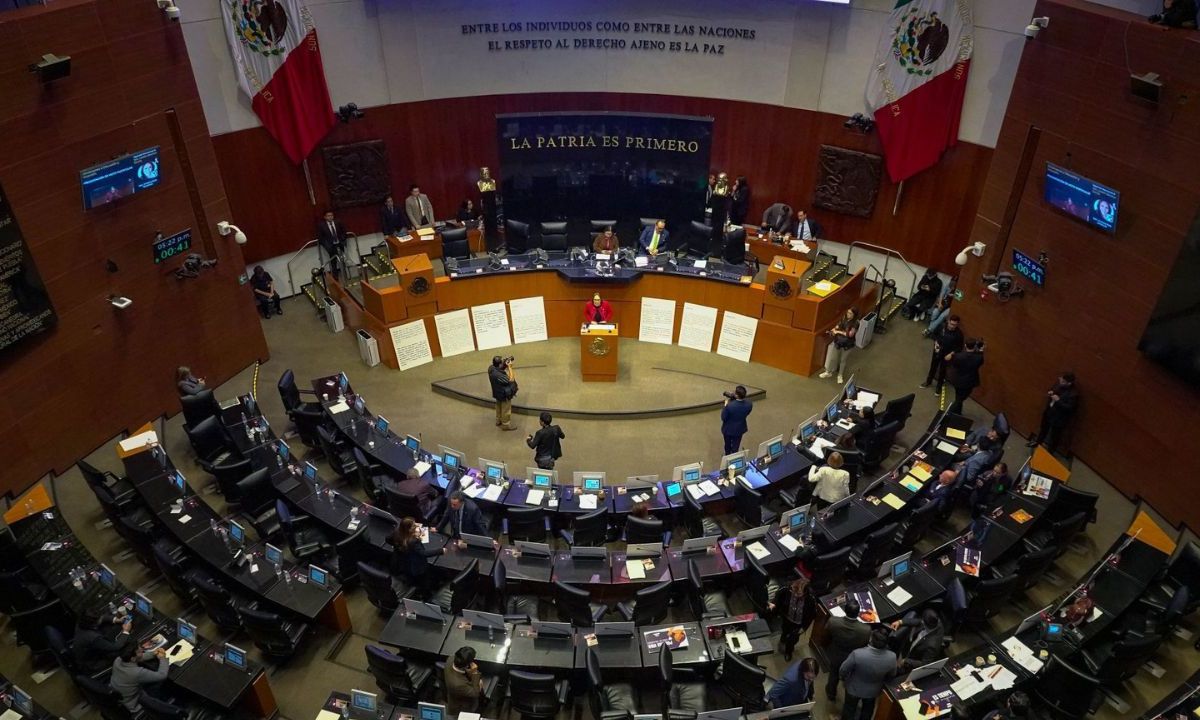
(101, 370)
(441, 144)
(1137, 422)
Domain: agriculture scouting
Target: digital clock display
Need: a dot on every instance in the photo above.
(169, 247)
(1029, 268)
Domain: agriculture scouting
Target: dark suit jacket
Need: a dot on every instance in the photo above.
(791, 689)
(845, 636)
(545, 442)
(501, 385)
(412, 561)
(733, 417)
(391, 221)
(648, 234)
(93, 651)
(926, 650)
(473, 522)
(814, 228)
(963, 370)
(332, 243)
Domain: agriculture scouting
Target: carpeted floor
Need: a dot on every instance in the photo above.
(894, 364)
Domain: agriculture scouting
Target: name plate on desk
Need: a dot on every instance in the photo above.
(603, 327)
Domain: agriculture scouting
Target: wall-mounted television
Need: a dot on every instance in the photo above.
(1079, 197)
(1029, 268)
(120, 177)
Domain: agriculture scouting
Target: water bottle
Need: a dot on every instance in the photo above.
(278, 569)
(212, 525)
(287, 579)
(331, 494)
(278, 461)
(316, 488)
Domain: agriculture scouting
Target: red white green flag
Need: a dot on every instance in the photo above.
(918, 81)
(277, 61)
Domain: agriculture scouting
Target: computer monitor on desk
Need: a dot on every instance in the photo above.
(185, 630)
(318, 576)
(143, 606)
(837, 508)
(797, 521)
(589, 554)
(178, 482)
(417, 610)
(591, 482)
(831, 412)
(283, 450)
(272, 554)
(614, 629)
(310, 472)
(494, 472)
(531, 549)
(21, 700)
(106, 577)
(672, 489)
(429, 711)
(687, 473)
(453, 460)
(235, 656)
(807, 430)
(897, 567)
(381, 425)
(412, 444)
(755, 533)
(733, 713)
(541, 479)
(552, 630)
(237, 533)
(736, 461)
(771, 449)
(925, 671)
(364, 701)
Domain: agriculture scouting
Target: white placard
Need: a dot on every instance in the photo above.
(737, 336)
(697, 327)
(528, 319)
(454, 332)
(491, 326)
(658, 321)
(411, 344)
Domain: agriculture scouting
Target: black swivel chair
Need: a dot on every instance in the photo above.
(220, 605)
(228, 473)
(878, 444)
(748, 504)
(829, 570)
(257, 503)
(985, 600)
(1115, 662)
(646, 530)
(733, 250)
(649, 606)
(574, 605)
(304, 540)
(120, 488)
(530, 524)
(697, 239)
(758, 584)
(209, 441)
(914, 528)
(696, 522)
(867, 556)
(402, 682)
(597, 227)
(141, 537)
(307, 416)
(1068, 501)
(156, 709)
(1183, 572)
(589, 530)
(455, 243)
(199, 407)
(406, 504)
(103, 698)
(704, 603)
(554, 236)
(898, 410)
(349, 552)
(536, 696)
(1029, 568)
(275, 637)
(337, 452)
(607, 697)
(743, 682)
(681, 689)
(460, 592)
(372, 477)
(62, 653)
(516, 236)
(1058, 534)
(1065, 691)
(516, 607)
(383, 591)
(179, 578)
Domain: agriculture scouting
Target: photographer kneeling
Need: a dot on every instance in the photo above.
(504, 388)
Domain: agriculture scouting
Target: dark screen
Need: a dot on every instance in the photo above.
(600, 166)
(1172, 336)
(25, 307)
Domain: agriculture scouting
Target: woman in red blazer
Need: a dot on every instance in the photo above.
(597, 311)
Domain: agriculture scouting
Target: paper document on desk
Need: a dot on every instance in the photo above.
(898, 596)
(641, 261)
(636, 569)
(757, 550)
(425, 233)
(865, 399)
(338, 407)
(326, 715)
(948, 448)
(818, 447)
(11, 714)
(468, 716)
(138, 442)
(535, 497)
(789, 543)
(956, 434)
(709, 487)
(1021, 654)
(968, 686)
(892, 501)
(911, 483)
(473, 490)
(845, 423)
(837, 611)
(1000, 677)
(492, 493)
(587, 501)
(695, 491)
(182, 655)
(921, 471)
(422, 467)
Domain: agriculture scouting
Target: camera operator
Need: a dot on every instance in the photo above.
(962, 371)
(733, 418)
(504, 388)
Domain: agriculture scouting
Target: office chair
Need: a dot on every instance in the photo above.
(898, 410)
(228, 473)
(257, 503)
(743, 682)
(646, 222)
(914, 528)
(985, 600)
(1029, 568)
(62, 653)
(406, 504)
(696, 522)
(696, 239)
(384, 591)
(877, 445)
(277, 638)
(758, 584)
(220, 605)
(536, 696)
(1064, 690)
(209, 441)
(1058, 534)
(1182, 572)
(118, 487)
(1068, 501)
(514, 607)
(307, 416)
(828, 570)
(1163, 621)
(604, 697)
(516, 236)
(372, 477)
(532, 524)
(102, 697)
(554, 236)
(597, 226)
(704, 603)
(646, 530)
(199, 407)
(748, 504)
(460, 592)
(867, 556)
(304, 540)
(649, 606)
(573, 605)
(778, 217)
(680, 688)
(402, 682)
(141, 537)
(455, 243)
(590, 530)
(733, 249)
(180, 578)
(1112, 663)
(349, 551)
(337, 453)
(155, 709)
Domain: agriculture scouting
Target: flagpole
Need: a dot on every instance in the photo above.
(895, 205)
(312, 199)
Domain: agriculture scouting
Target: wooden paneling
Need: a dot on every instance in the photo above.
(102, 370)
(1136, 421)
(441, 144)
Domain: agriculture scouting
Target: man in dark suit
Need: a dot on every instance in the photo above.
(807, 228)
(796, 686)
(846, 634)
(1061, 401)
(929, 288)
(943, 491)
(653, 239)
(391, 217)
(962, 372)
(947, 341)
(733, 419)
(463, 516)
(331, 236)
(919, 640)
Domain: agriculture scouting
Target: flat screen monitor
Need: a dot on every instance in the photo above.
(429, 711)
(284, 451)
(143, 606)
(807, 430)
(643, 550)
(310, 472)
(106, 577)
(343, 383)
(424, 610)
(360, 405)
(687, 473)
(185, 630)
(1031, 620)
(484, 620)
(772, 448)
(236, 532)
(925, 671)
(791, 712)
(22, 701)
(493, 471)
(363, 700)
(1083, 199)
(273, 554)
(851, 390)
(318, 575)
(1029, 268)
(558, 630)
(897, 567)
(736, 460)
(613, 629)
(795, 519)
(381, 425)
(235, 656)
(119, 177)
(755, 533)
(178, 481)
(673, 489)
(451, 458)
(838, 506)
(589, 481)
(1052, 631)
(542, 479)
(831, 412)
(413, 444)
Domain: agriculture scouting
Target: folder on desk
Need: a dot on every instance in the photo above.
(182, 654)
(892, 501)
(922, 471)
(956, 434)
(534, 497)
(587, 501)
(492, 493)
(911, 483)
(636, 569)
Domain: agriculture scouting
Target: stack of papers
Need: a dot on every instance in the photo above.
(338, 407)
(708, 487)
(137, 442)
(911, 483)
(898, 596)
(587, 501)
(1022, 655)
(892, 501)
(818, 447)
(956, 434)
(425, 233)
(789, 543)
(695, 491)
(421, 467)
(492, 493)
(535, 497)
(922, 471)
(636, 569)
(948, 448)
(757, 550)
(865, 399)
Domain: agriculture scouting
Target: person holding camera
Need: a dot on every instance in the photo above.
(842, 342)
(504, 388)
(733, 418)
(946, 342)
(545, 442)
(962, 372)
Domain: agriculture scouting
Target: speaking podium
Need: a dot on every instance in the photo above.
(598, 344)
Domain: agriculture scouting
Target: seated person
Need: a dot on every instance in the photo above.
(919, 639)
(463, 682)
(988, 487)
(264, 292)
(128, 676)
(943, 492)
(410, 557)
(92, 650)
(597, 311)
(807, 228)
(606, 242)
(188, 383)
(654, 238)
(1176, 14)
(832, 482)
(466, 213)
(929, 288)
(864, 423)
(462, 516)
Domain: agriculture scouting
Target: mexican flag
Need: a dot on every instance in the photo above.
(918, 81)
(277, 61)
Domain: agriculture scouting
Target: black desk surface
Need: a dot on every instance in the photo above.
(526, 568)
(417, 634)
(582, 572)
(735, 553)
(714, 635)
(614, 653)
(788, 468)
(696, 653)
(518, 496)
(622, 502)
(456, 558)
(661, 571)
(710, 564)
(917, 582)
(846, 522)
(491, 653)
(307, 598)
(532, 653)
(216, 681)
